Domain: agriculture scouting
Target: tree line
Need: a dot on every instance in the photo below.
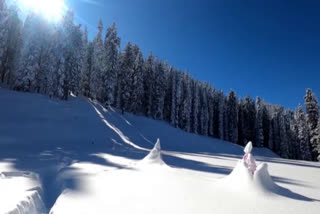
(57, 59)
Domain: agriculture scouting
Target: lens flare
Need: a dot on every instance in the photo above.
(51, 9)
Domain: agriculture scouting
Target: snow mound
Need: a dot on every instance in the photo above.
(242, 180)
(262, 179)
(154, 157)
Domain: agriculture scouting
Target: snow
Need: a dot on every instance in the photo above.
(154, 156)
(78, 157)
(20, 191)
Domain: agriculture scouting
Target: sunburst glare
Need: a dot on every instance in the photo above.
(53, 10)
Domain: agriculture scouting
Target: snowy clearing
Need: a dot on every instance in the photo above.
(79, 157)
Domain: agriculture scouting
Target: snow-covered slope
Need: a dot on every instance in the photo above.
(78, 157)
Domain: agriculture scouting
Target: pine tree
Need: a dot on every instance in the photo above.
(284, 141)
(161, 68)
(295, 140)
(137, 85)
(249, 115)
(204, 113)
(211, 92)
(125, 78)
(259, 122)
(27, 75)
(265, 125)
(168, 97)
(195, 106)
(148, 84)
(240, 123)
(112, 50)
(221, 110)
(312, 117)
(225, 120)
(276, 129)
(290, 133)
(57, 74)
(85, 66)
(4, 35)
(303, 134)
(178, 99)
(187, 102)
(317, 139)
(11, 29)
(232, 117)
(173, 97)
(73, 41)
(97, 65)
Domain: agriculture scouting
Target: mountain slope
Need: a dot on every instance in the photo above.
(86, 157)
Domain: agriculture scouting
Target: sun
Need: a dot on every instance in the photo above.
(51, 9)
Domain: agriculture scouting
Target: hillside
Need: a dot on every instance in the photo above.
(76, 156)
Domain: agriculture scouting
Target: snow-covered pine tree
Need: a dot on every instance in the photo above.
(56, 71)
(25, 76)
(259, 122)
(137, 84)
(109, 75)
(97, 64)
(195, 106)
(249, 115)
(9, 59)
(84, 84)
(221, 109)
(303, 134)
(168, 98)
(265, 124)
(204, 114)
(225, 120)
(187, 102)
(240, 123)
(161, 69)
(44, 41)
(211, 92)
(178, 98)
(72, 59)
(290, 133)
(125, 77)
(4, 35)
(271, 134)
(312, 117)
(232, 115)
(294, 139)
(173, 97)
(276, 129)
(148, 84)
(77, 44)
(284, 141)
(317, 139)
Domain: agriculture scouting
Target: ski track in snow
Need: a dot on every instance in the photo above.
(77, 156)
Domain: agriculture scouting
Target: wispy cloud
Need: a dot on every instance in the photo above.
(92, 2)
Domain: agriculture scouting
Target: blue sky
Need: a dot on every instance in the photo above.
(266, 48)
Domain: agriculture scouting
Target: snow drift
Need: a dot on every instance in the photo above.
(249, 178)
